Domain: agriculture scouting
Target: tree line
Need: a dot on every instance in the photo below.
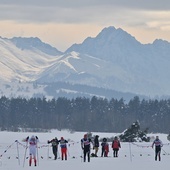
(84, 114)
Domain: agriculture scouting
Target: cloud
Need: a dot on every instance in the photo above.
(77, 19)
(137, 4)
(74, 11)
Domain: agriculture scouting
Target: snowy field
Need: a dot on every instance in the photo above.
(132, 156)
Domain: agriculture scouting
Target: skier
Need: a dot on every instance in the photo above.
(116, 146)
(158, 144)
(63, 145)
(96, 145)
(85, 145)
(32, 148)
(105, 148)
(54, 143)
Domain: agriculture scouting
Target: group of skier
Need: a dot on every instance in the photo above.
(86, 144)
(33, 141)
(63, 144)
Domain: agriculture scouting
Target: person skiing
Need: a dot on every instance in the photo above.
(63, 145)
(33, 141)
(105, 148)
(158, 144)
(86, 146)
(116, 145)
(54, 143)
(96, 145)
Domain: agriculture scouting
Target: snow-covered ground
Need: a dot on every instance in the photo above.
(132, 156)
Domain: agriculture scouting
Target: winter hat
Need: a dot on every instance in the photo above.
(32, 137)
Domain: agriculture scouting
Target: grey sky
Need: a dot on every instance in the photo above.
(144, 15)
(72, 10)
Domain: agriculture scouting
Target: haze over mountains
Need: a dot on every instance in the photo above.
(113, 62)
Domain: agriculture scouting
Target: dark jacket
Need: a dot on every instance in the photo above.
(63, 143)
(96, 141)
(54, 142)
(85, 143)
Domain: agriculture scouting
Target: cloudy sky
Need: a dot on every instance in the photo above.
(62, 23)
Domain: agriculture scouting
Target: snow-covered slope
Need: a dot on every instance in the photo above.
(23, 65)
(111, 60)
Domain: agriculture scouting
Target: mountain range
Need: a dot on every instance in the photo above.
(113, 63)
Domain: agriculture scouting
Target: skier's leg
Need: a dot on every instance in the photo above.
(102, 153)
(35, 161)
(30, 160)
(84, 155)
(106, 153)
(159, 155)
(96, 151)
(65, 153)
(156, 153)
(116, 153)
(54, 152)
(62, 153)
(88, 154)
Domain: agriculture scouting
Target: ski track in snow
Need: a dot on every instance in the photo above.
(141, 157)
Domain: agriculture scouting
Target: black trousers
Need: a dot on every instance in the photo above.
(55, 150)
(115, 152)
(157, 153)
(86, 152)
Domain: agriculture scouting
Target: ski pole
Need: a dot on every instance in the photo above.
(81, 155)
(37, 156)
(68, 152)
(165, 152)
(130, 152)
(48, 152)
(0, 162)
(25, 154)
(7, 149)
(58, 154)
(18, 153)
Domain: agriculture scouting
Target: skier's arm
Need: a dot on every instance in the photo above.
(112, 144)
(82, 144)
(91, 142)
(27, 138)
(49, 141)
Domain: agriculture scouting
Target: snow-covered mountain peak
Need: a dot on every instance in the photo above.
(111, 34)
(34, 43)
(110, 44)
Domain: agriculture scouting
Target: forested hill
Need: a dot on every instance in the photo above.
(84, 114)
